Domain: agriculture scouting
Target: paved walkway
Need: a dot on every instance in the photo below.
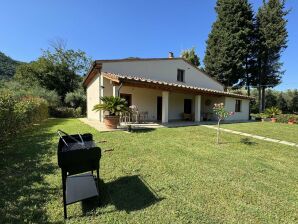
(253, 136)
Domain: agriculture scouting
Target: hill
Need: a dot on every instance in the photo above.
(7, 66)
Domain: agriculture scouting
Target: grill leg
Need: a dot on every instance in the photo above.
(64, 194)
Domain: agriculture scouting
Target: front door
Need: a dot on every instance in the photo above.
(159, 108)
(187, 106)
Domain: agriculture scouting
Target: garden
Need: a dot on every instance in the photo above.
(167, 175)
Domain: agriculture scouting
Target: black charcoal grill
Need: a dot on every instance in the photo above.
(78, 154)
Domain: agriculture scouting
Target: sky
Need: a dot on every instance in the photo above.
(113, 29)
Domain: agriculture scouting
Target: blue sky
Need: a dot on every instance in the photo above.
(119, 29)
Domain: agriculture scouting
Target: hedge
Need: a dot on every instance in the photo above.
(65, 112)
(281, 118)
(284, 118)
(17, 113)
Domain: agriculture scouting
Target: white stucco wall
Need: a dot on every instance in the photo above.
(176, 105)
(93, 95)
(144, 99)
(164, 70)
(207, 105)
(243, 115)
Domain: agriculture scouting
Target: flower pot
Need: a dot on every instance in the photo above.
(111, 122)
(291, 122)
(273, 119)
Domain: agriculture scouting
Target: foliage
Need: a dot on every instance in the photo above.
(191, 56)
(272, 112)
(285, 118)
(65, 112)
(282, 103)
(59, 70)
(294, 103)
(259, 116)
(76, 99)
(229, 45)
(221, 114)
(271, 99)
(7, 66)
(113, 105)
(271, 41)
(22, 90)
(16, 113)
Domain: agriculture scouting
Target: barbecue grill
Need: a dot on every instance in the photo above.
(78, 154)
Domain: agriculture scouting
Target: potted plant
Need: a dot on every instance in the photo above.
(256, 117)
(272, 112)
(114, 106)
(263, 116)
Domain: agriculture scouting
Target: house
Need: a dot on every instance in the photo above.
(166, 89)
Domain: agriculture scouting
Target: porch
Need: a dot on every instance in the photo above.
(157, 101)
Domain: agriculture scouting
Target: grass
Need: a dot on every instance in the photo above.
(169, 175)
(278, 131)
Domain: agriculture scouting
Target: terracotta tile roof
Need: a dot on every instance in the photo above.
(118, 78)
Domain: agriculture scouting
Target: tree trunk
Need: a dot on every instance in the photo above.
(260, 99)
(263, 97)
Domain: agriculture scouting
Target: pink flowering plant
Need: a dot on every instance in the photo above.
(221, 114)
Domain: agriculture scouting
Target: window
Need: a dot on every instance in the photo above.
(180, 75)
(238, 106)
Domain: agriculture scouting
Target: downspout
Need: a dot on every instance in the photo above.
(118, 92)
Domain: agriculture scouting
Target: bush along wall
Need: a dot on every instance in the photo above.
(17, 113)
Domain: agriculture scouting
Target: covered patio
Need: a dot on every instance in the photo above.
(162, 102)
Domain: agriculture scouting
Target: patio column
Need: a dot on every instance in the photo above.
(101, 86)
(198, 108)
(115, 90)
(165, 107)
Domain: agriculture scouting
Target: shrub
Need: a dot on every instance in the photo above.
(18, 113)
(284, 118)
(65, 112)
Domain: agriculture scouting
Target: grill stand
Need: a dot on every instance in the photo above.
(78, 187)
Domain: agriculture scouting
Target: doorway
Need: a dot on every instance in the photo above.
(159, 108)
(187, 106)
(127, 97)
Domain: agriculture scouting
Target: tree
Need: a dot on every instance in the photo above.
(76, 99)
(58, 69)
(221, 114)
(282, 103)
(271, 99)
(294, 104)
(271, 41)
(191, 56)
(229, 45)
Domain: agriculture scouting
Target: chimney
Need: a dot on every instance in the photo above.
(171, 54)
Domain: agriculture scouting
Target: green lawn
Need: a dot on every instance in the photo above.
(278, 131)
(169, 175)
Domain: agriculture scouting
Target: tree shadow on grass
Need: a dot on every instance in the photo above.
(247, 141)
(24, 161)
(129, 193)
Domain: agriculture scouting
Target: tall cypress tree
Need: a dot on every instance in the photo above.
(272, 40)
(229, 44)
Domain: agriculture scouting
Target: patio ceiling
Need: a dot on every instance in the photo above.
(166, 86)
